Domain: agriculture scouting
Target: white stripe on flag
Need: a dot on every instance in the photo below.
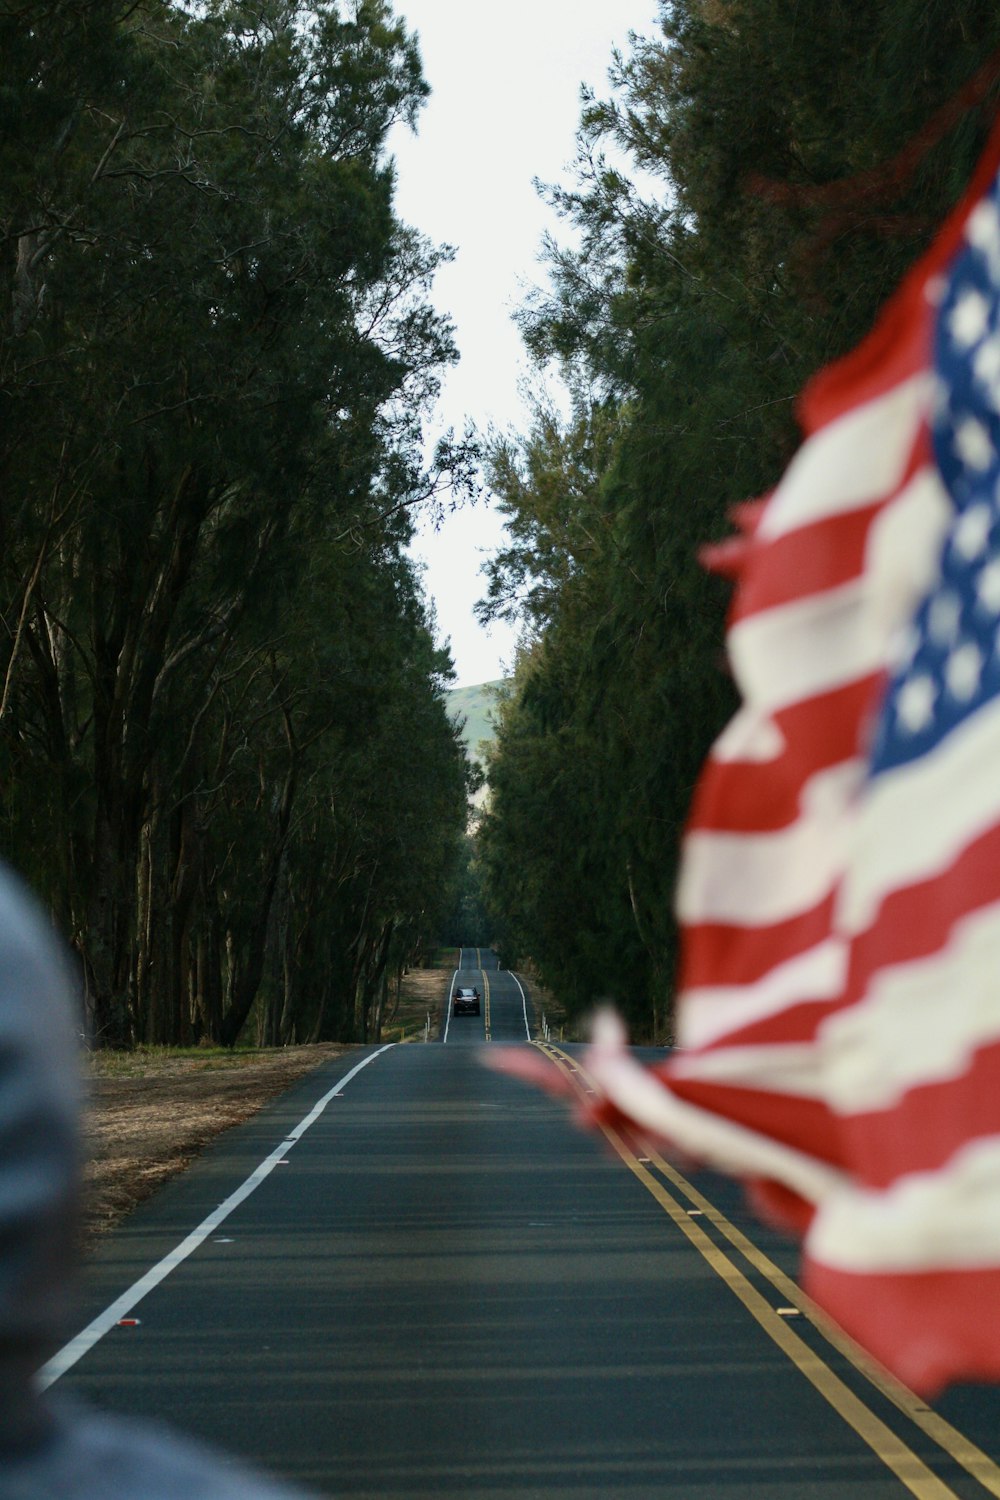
(850, 462)
(712, 1011)
(910, 1029)
(756, 879)
(788, 1068)
(948, 1219)
(811, 646)
(824, 640)
(902, 550)
(749, 738)
(918, 819)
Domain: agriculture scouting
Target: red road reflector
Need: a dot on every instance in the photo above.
(129, 1322)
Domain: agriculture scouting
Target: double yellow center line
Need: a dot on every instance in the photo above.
(886, 1444)
(486, 993)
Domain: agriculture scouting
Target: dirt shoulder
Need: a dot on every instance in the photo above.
(151, 1113)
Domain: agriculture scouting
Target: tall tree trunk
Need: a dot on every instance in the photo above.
(251, 969)
(109, 934)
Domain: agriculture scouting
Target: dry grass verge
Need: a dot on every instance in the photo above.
(424, 993)
(151, 1113)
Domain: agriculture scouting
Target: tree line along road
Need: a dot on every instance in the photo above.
(411, 1276)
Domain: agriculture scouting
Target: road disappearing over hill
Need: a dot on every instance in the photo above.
(503, 1016)
(437, 1285)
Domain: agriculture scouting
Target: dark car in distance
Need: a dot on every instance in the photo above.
(466, 1003)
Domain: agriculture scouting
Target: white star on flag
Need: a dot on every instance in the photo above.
(984, 233)
(972, 531)
(945, 619)
(915, 703)
(963, 671)
(970, 319)
(988, 586)
(986, 362)
(974, 445)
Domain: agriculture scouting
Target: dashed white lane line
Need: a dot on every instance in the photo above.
(77, 1347)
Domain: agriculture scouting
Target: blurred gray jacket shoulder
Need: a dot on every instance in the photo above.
(90, 1456)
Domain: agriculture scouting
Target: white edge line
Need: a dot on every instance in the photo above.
(451, 996)
(77, 1347)
(524, 1003)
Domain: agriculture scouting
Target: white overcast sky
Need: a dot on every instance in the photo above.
(504, 108)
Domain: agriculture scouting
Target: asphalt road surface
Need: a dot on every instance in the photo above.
(414, 1277)
(504, 1013)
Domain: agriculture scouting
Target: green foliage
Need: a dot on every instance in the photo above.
(474, 707)
(686, 320)
(466, 922)
(224, 751)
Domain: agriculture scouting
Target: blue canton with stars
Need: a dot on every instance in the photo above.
(951, 666)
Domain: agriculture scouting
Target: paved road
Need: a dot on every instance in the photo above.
(439, 1287)
(504, 1012)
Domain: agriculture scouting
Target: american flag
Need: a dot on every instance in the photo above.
(839, 1020)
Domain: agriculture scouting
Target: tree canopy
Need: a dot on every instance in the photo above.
(224, 751)
(225, 755)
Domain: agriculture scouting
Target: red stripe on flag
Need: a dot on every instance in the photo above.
(922, 1131)
(743, 796)
(719, 954)
(798, 1121)
(795, 1023)
(928, 1327)
(918, 920)
(825, 554)
(804, 562)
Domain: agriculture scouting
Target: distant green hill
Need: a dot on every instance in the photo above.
(475, 705)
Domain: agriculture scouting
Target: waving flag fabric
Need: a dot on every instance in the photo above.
(909, 1251)
(840, 893)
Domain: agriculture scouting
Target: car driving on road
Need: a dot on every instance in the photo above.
(466, 1002)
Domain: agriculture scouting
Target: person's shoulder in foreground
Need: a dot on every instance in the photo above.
(51, 1449)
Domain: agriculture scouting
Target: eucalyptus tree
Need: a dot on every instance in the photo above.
(214, 341)
(383, 804)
